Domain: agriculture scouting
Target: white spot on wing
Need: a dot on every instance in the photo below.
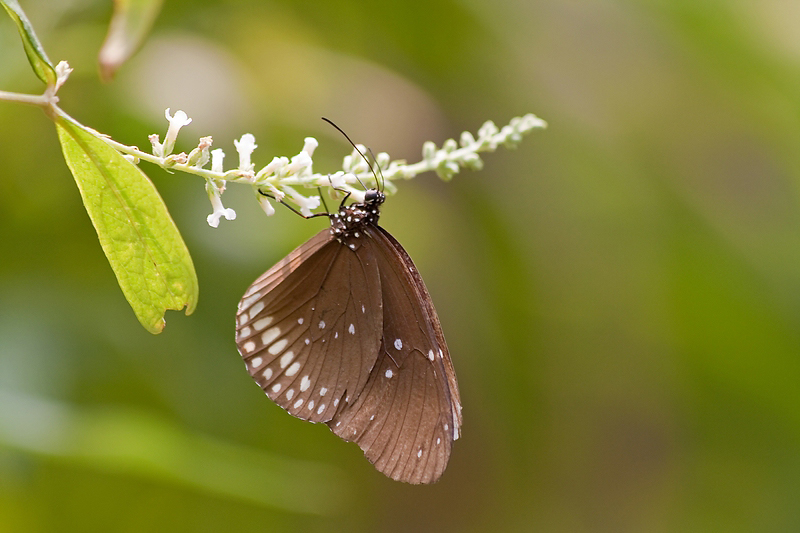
(398, 344)
(419, 453)
(270, 335)
(300, 320)
(256, 308)
(321, 408)
(245, 332)
(292, 370)
(310, 405)
(323, 391)
(287, 358)
(363, 309)
(352, 329)
(278, 347)
(247, 302)
(268, 373)
(388, 373)
(255, 362)
(276, 387)
(305, 383)
(249, 346)
(308, 341)
(336, 402)
(261, 323)
(321, 324)
(289, 394)
(430, 355)
(298, 403)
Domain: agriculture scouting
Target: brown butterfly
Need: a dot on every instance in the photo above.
(343, 331)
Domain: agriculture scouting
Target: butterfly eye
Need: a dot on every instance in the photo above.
(373, 196)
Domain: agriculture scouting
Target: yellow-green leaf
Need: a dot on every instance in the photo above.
(139, 238)
(130, 24)
(33, 48)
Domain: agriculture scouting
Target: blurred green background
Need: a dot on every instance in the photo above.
(621, 295)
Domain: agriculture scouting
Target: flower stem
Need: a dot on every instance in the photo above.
(39, 100)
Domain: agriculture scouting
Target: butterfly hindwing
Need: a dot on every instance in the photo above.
(408, 414)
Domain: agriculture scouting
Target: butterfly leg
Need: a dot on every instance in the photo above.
(314, 215)
(346, 196)
(341, 205)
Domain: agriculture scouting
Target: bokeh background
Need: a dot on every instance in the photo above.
(621, 295)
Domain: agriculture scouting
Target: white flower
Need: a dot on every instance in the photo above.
(467, 139)
(339, 179)
(302, 161)
(219, 212)
(275, 167)
(217, 155)
(245, 147)
(63, 71)
(306, 205)
(216, 203)
(309, 145)
(277, 194)
(200, 156)
(527, 123)
(428, 151)
(299, 163)
(487, 130)
(266, 205)
(158, 148)
(356, 195)
(175, 124)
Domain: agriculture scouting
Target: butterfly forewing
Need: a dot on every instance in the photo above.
(309, 328)
(408, 415)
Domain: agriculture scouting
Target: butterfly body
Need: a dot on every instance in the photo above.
(343, 331)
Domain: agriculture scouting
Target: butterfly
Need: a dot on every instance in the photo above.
(343, 331)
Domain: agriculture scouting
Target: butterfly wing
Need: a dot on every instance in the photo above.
(309, 329)
(409, 413)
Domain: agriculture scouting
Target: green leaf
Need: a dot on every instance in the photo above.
(139, 238)
(130, 24)
(33, 48)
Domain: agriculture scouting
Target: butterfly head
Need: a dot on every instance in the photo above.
(373, 198)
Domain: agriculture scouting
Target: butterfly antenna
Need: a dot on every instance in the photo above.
(371, 168)
(380, 184)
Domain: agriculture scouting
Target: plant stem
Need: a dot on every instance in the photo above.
(39, 100)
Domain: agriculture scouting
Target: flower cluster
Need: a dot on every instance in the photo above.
(280, 178)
